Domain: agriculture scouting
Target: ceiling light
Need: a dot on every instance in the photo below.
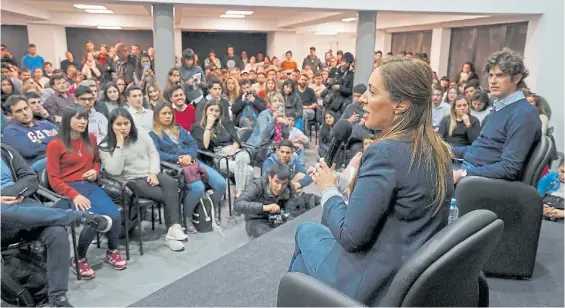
(109, 27)
(350, 19)
(239, 12)
(232, 16)
(89, 7)
(99, 11)
(326, 33)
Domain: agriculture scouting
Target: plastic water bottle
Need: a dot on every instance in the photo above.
(453, 211)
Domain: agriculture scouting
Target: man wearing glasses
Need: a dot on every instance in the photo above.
(97, 122)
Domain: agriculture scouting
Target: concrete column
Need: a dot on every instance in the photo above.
(365, 45)
(439, 54)
(163, 40)
(543, 56)
(51, 42)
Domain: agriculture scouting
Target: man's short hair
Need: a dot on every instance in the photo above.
(379, 52)
(47, 63)
(510, 62)
(471, 84)
(282, 171)
(131, 89)
(30, 95)
(169, 94)
(81, 90)
(31, 46)
(11, 101)
(214, 82)
(87, 83)
(288, 52)
(244, 82)
(436, 87)
(54, 78)
(286, 143)
(312, 48)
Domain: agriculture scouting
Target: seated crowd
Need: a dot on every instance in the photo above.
(229, 116)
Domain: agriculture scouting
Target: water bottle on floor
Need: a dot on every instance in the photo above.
(453, 211)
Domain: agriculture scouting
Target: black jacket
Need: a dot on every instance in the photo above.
(237, 108)
(256, 194)
(22, 173)
(345, 81)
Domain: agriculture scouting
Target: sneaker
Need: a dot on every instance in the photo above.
(99, 223)
(114, 258)
(61, 301)
(85, 271)
(174, 245)
(176, 233)
(190, 229)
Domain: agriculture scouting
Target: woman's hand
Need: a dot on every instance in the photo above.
(210, 120)
(90, 175)
(11, 200)
(152, 179)
(466, 120)
(119, 137)
(323, 175)
(185, 160)
(81, 202)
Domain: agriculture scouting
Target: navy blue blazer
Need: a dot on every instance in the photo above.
(387, 219)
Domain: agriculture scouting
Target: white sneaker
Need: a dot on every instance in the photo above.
(175, 233)
(174, 245)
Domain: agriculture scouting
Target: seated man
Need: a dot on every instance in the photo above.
(285, 155)
(39, 112)
(27, 219)
(28, 136)
(247, 108)
(97, 122)
(56, 102)
(511, 130)
(266, 202)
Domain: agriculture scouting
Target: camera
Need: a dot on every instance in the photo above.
(279, 218)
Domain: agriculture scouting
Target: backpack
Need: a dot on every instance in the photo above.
(24, 279)
(204, 218)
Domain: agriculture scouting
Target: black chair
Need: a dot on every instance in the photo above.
(313, 124)
(554, 155)
(244, 133)
(519, 205)
(445, 271)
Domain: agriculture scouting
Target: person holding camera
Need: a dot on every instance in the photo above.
(247, 108)
(266, 202)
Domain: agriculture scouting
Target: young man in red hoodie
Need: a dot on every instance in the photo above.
(185, 114)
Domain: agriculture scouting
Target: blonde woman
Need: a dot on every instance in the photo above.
(232, 90)
(460, 128)
(220, 137)
(153, 95)
(272, 125)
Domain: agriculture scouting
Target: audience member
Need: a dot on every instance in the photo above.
(230, 60)
(212, 60)
(185, 114)
(97, 122)
(131, 154)
(297, 137)
(551, 188)
(535, 101)
(284, 154)
(39, 112)
(324, 138)
(440, 109)
(247, 108)
(32, 60)
(193, 77)
(511, 131)
(312, 61)
(143, 117)
(460, 128)
(26, 135)
(153, 95)
(289, 63)
(73, 166)
(292, 102)
(272, 126)
(309, 101)
(479, 105)
(57, 102)
(215, 93)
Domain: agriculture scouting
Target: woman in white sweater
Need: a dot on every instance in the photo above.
(134, 157)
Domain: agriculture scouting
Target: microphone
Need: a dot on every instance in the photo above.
(340, 133)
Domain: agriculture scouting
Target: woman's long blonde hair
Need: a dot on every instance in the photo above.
(233, 96)
(453, 113)
(158, 127)
(410, 80)
(148, 98)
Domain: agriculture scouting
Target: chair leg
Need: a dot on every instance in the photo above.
(98, 239)
(75, 251)
(152, 217)
(159, 213)
(229, 193)
(139, 229)
(126, 225)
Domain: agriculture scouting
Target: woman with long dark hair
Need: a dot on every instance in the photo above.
(467, 73)
(220, 137)
(7, 89)
(72, 167)
(175, 145)
(133, 156)
(110, 100)
(143, 72)
(293, 103)
(399, 197)
(480, 105)
(460, 128)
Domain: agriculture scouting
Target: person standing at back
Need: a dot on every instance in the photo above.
(312, 61)
(511, 131)
(32, 60)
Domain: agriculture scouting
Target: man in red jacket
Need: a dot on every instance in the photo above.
(185, 114)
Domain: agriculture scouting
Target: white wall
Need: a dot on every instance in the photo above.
(323, 43)
(50, 40)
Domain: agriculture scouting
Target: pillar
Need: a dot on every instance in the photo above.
(163, 40)
(543, 57)
(365, 45)
(439, 53)
(51, 42)
(178, 44)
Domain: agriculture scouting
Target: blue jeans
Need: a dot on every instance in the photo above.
(464, 165)
(39, 165)
(101, 204)
(314, 243)
(299, 124)
(300, 156)
(196, 190)
(49, 224)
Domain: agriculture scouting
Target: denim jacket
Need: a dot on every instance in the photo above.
(549, 183)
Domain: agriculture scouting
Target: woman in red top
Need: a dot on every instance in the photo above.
(73, 166)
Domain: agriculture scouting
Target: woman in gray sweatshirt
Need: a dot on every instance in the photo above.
(132, 155)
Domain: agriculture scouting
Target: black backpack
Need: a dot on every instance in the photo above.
(24, 279)
(203, 216)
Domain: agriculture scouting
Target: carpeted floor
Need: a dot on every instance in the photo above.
(250, 275)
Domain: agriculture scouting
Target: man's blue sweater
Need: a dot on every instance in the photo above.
(507, 138)
(30, 142)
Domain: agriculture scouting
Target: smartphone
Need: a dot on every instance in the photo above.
(197, 77)
(22, 192)
(146, 66)
(280, 108)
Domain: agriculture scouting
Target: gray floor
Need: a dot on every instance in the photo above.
(159, 266)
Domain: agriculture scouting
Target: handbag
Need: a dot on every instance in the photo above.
(194, 172)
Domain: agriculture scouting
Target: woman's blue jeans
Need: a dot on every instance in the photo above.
(196, 190)
(314, 243)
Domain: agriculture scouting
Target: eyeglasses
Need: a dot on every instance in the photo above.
(86, 99)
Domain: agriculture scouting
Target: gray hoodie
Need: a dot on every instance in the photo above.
(186, 73)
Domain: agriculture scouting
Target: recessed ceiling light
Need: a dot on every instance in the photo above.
(99, 11)
(109, 27)
(89, 7)
(239, 12)
(326, 33)
(232, 16)
(350, 19)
